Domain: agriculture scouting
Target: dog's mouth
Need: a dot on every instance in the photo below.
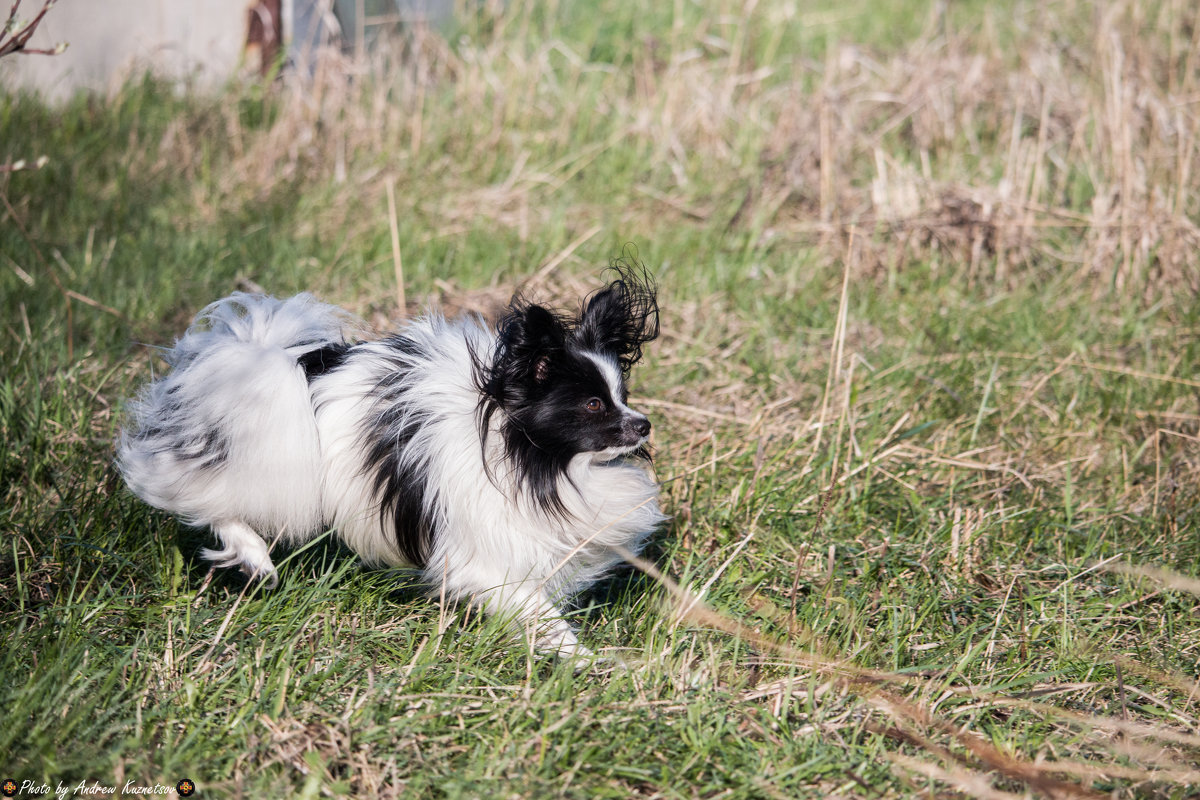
(620, 452)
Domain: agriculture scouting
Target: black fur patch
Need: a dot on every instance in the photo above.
(316, 363)
(400, 472)
(511, 384)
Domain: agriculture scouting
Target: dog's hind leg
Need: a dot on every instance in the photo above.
(244, 548)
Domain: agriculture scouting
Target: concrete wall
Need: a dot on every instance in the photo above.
(197, 40)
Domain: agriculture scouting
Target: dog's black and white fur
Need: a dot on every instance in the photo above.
(505, 464)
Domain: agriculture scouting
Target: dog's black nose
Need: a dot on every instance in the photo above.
(641, 426)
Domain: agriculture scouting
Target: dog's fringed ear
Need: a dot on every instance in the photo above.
(529, 337)
(621, 317)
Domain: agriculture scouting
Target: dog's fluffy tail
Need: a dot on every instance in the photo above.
(234, 412)
(295, 325)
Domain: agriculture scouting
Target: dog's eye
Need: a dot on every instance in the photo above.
(595, 405)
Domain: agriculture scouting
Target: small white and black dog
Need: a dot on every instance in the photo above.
(505, 464)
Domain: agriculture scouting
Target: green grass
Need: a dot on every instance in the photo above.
(901, 508)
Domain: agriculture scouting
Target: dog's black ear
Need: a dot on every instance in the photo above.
(529, 336)
(622, 316)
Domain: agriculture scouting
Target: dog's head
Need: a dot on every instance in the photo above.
(560, 381)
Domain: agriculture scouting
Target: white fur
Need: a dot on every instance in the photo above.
(234, 373)
(294, 459)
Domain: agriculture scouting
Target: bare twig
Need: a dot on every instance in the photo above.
(22, 164)
(14, 38)
(16, 34)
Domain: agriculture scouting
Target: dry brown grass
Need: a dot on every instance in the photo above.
(953, 750)
(1069, 148)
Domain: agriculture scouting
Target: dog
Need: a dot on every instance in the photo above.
(505, 463)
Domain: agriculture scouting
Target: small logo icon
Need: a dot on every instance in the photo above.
(8, 788)
(185, 788)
